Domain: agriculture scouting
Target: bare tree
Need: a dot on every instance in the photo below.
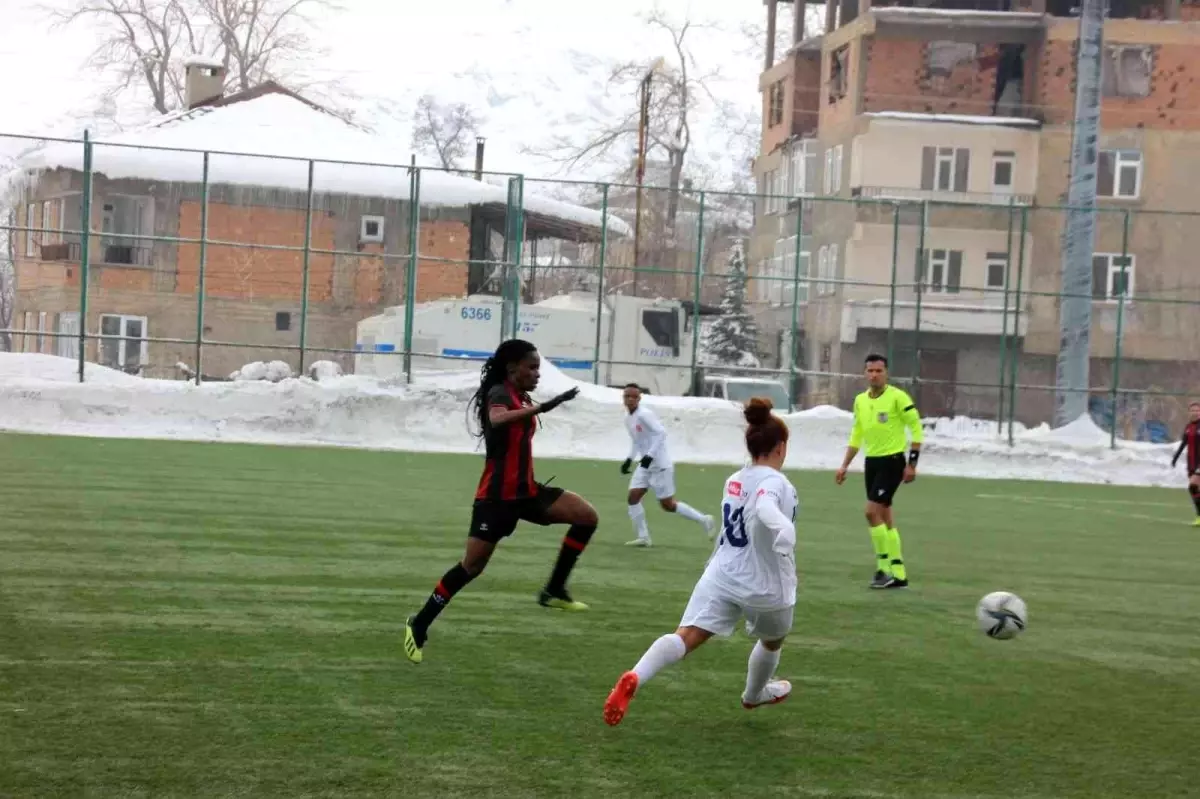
(143, 44)
(676, 87)
(443, 132)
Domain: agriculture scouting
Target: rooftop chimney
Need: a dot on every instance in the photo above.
(204, 80)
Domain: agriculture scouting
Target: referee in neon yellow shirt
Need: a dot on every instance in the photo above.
(881, 415)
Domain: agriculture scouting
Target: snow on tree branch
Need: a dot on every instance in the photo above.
(142, 45)
(733, 338)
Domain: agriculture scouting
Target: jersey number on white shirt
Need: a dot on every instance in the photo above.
(734, 524)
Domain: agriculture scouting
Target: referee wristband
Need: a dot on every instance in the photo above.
(912, 457)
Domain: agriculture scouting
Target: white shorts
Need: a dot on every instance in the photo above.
(661, 481)
(709, 610)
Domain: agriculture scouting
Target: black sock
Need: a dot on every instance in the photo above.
(575, 541)
(1195, 492)
(451, 583)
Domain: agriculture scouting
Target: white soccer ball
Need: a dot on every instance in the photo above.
(1002, 615)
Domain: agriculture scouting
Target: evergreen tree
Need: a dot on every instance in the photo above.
(733, 337)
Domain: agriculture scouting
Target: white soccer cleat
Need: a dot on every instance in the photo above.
(775, 692)
(710, 527)
(638, 542)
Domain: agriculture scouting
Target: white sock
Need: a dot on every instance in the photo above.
(638, 514)
(688, 512)
(763, 663)
(662, 653)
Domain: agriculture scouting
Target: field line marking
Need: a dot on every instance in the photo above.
(1090, 501)
(1075, 506)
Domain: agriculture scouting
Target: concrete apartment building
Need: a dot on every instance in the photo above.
(969, 107)
(147, 189)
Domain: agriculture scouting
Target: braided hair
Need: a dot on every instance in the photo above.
(493, 373)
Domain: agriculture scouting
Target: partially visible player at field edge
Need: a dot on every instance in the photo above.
(1190, 441)
(751, 575)
(882, 414)
(648, 442)
(507, 491)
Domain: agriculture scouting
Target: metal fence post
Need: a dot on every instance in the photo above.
(699, 274)
(795, 304)
(600, 281)
(1004, 323)
(921, 267)
(410, 280)
(1012, 382)
(891, 341)
(84, 250)
(1116, 375)
(200, 278)
(307, 258)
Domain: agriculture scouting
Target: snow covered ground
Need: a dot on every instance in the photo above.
(39, 394)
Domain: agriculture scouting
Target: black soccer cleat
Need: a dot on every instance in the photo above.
(896, 582)
(880, 580)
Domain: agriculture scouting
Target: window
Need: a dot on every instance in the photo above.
(997, 268)
(1119, 174)
(68, 343)
(838, 79)
(26, 338)
(1003, 163)
(775, 104)
(41, 332)
(50, 220)
(945, 168)
(781, 269)
(831, 287)
(371, 229)
(940, 271)
(124, 221)
(822, 269)
(1125, 70)
(283, 320)
(31, 238)
(802, 162)
(1112, 276)
(833, 170)
(663, 327)
(123, 342)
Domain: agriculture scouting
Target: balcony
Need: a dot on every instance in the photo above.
(936, 317)
(942, 197)
(109, 253)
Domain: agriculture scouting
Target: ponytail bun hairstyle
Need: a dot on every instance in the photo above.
(765, 431)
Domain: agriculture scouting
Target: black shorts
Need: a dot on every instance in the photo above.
(883, 477)
(492, 520)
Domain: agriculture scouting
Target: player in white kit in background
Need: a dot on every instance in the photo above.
(649, 444)
(752, 574)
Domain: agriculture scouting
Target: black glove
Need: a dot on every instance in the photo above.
(646, 461)
(566, 396)
(627, 466)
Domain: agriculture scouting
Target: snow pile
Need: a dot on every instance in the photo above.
(41, 394)
(324, 370)
(265, 141)
(272, 372)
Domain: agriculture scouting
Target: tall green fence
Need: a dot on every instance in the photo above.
(191, 265)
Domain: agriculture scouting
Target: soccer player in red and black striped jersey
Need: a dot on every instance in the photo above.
(1191, 443)
(508, 492)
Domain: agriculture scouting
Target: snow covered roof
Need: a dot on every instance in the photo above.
(266, 140)
(955, 119)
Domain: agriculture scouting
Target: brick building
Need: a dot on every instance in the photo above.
(262, 227)
(959, 102)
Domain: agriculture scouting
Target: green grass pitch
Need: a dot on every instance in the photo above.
(185, 619)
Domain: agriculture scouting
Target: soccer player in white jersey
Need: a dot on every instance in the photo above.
(752, 574)
(655, 470)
